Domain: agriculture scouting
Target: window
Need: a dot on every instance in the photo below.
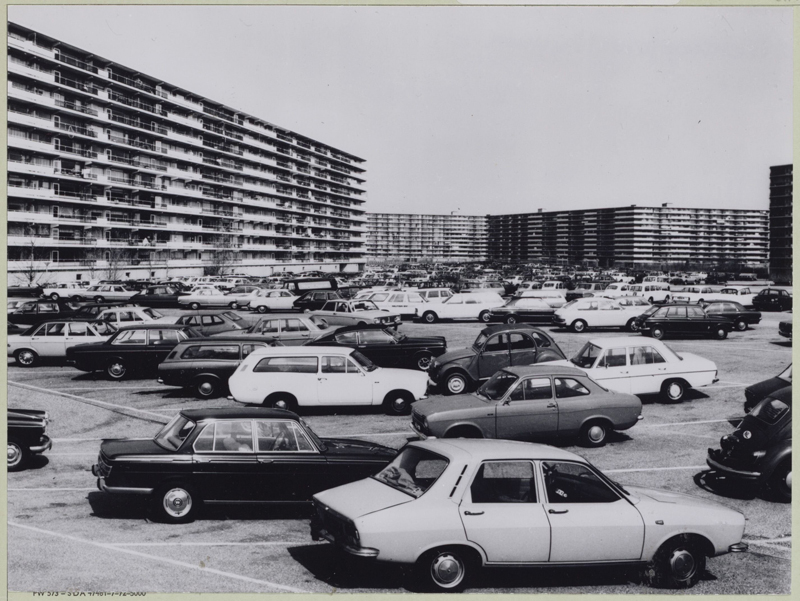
(55, 329)
(333, 365)
(497, 343)
(569, 387)
(211, 320)
(575, 483)
(413, 471)
(375, 337)
(30, 307)
(504, 482)
(433, 294)
(212, 351)
(270, 327)
(79, 328)
(675, 312)
(542, 341)
(379, 298)
(614, 357)
(173, 434)
(231, 437)
(520, 342)
(695, 312)
(533, 389)
(249, 348)
(645, 355)
(397, 298)
(131, 337)
(293, 325)
(279, 435)
(48, 308)
(163, 338)
(298, 365)
(347, 338)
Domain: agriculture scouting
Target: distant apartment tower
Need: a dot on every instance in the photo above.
(780, 223)
(395, 236)
(114, 173)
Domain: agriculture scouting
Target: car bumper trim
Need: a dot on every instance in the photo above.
(48, 444)
(358, 551)
(418, 432)
(127, 490)
(740, 547)
(714, 464)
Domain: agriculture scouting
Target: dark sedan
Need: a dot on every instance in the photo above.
(386, 348)
(34, 312)
(314, 300)
(755, 393)
(682, 320)
(26, 436)
(157, 296)
(525, 310)
(734, 311)
(233, 455)
(785, 329)
(137, 348)
(772, 299)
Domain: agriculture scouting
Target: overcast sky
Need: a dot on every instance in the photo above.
(487, 110)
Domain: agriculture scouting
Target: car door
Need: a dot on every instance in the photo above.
(609, 314)
(612, 370)
(52, 341)
(294, 332)
(159, 344)
(503, 513)
(224, 465)
(697, 321)
(522, 349)
(381, 348)
(493, 356)
(528, 411)
(589, 521)
(341, 382)
(80, 332)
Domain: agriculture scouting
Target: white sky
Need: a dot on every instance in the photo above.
(487, 110)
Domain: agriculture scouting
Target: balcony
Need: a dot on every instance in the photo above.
(76, 150)
(132, 83)
(136, 143)
(136, 104)
(75, 107)
(135, 123)
(75, 63)
(77, 85)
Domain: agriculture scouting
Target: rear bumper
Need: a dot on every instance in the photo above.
(45, 445)
(714, 463)
(123, 490)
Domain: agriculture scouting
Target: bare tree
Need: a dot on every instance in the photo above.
(32, 274)
(224, 256)
(116, 260)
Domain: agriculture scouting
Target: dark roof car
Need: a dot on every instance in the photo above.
(682, 320)
(36, 311)
(754, 393)
(92, 310)
(772, 299)
(157, 296)
(26, 436)
(386, 347)
(523, 309)
(233, 455)
(313, 300)
(495, 347)
(27, 291)
(211, 322)
(734, 311)
(785, 329)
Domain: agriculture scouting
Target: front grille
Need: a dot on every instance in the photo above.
(103, 469)
(333, 523)
(416, 419)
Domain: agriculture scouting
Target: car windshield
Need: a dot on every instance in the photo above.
(319, 322)
(172, 435)
(363, 361)
(152, 313)
(413, 471)
(480, 341)
(651, 310)
(232, 316)
(770, 410)
(399, 337)
(786, 374)
(587, 356)
(365, 305)
(497, 385)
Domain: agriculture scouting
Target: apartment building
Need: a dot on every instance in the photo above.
(780, 223)
(113, 173)
(395, 236)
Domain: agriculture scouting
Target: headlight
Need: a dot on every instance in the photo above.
(747, 434)
(351, 535)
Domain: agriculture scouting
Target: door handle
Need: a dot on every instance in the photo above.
(265, 460)
(321, 379)
(473, 513)
(552, 406)
(555, 511)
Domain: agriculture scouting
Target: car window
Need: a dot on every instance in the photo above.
(413, 471)
(249, 348)
(575, 483)
(55, 329)
(498, 342)
(48, 308)
(694, 312)
(334, 365)
(103, 328)
(347, 338)
(569, 387)
(645, 355)
(281, 436)
(433, 294)
(229, 352)
(79, 328)
(521, 342)
(504, 482)
(614, 357)
(293, 325)
(131, 337)
(375, 337)
(226, 437)
(270, 327)
(302, 365)
(163, 337)
(533, 389)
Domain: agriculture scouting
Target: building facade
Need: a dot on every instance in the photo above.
(401, 237)
(780, 223)
(114, 174)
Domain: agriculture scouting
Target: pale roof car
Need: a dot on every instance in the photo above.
(450, 507)
(644, 366)
(210, 322)
(52, 339)
(312, 376)
(128, 316)
(210, 297)
(533, 403)
(740, 294)
(265, 300)
(695, 294)
(597, 312)
(71, 290)
(554, 298)
(356, 313)
(290, 329)
(406, 303)
(435, 295)
(615, 289)
(655, 292)
(475, 305)
(104, 292)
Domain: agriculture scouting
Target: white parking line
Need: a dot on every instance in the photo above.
(281, 543)
(657, 469)
(771, 541)
(49, 488)
(158, 559)
(728, 386)
(705, 421)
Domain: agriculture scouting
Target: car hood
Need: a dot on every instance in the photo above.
(455, 355)
(361, 498)
(425, 341)
(654, 495)
(114, 448)
(440, 404)
(347, 446)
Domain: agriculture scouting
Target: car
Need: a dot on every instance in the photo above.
(90, 311)
(759, 451)
(496, 347)
(237, 455)
(291, 329)
(586, 289)
(386, 347)
(113, 292)
(33, 312)
(523, 310)
(740, 294)
(51, 339)
(126, 316)
(71, 290)
(741, 317)
(14, 303)
(265, 300)
(695, 294)
(785, 328)
(26, 436)
(598, 312)
(355, 312)
(772, 299)
(682, 320)
(533, 403)
(638, 366)
(554, 298)
(449, 507)
(32, 291)
(210, 322)
(615, 289)
(137, 348)
(435, 295)
(476, 305)
(158, 296)
(315, 299)
(323, 376)
(654, 292)
(205, 364)
(402, 302)
(754, 393)
(210, 297)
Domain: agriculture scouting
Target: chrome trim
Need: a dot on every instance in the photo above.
(716, 465)
(42, 448)
(418, 432)
(740, 547)
(359, 551)
(154, 458)
(101, 484)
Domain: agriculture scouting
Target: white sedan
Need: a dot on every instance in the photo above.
(210, 297)
(53, 338)
(108, 292)
(598, 312)
(695, 294)
(265, 300)
(71, 290)
(452, 506)
(406, 303)
(644, 366)
(476, 305)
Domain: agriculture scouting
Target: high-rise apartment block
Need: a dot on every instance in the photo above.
(114, 173)
(780, 223)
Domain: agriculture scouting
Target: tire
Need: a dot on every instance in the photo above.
(720, 333)
(511, 319)
(678, 563)
(116, 370)
(780, 483)
(26, 357)
(578, 326)
(262, 309)
(484, 316)
(99, 299)
(76, 298)
(657, 333)
(631, 325)
(429, 317)
(741, 325)
(463, 432)
(594, 433)
(194, 306)
(456, 384)
(18, 456)
(398, 402)
(207, 388)
(445, 570)
(175, 503)
(673, 391)
(281, 401)
(423, 360)
(54, 296)
(361, 324)
(234, 305)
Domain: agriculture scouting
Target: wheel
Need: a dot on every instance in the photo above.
(456, 383)
(741, 325)
(657, 333)
(361, 324)
(463, 432)
(666, 299)
(116, 370)
(650, 300)
(17, 456)
(429, 317)
(99, 299)
(234, 305)
(423, 360)
(511, 319)
(780, 483)
(444, 570)
(720, 333)
(673, 390)
(76, 298)
(631, 325)
(678, 563)
(484, 316)
(207, 388)
(594, 434)
(194, 306)
(578, 326)
(54, 296)
(175, 503)
(281, 401)
(26, 357)
(398, 402)
(262, 308)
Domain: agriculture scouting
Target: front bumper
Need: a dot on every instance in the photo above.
(122, 490)
(45, 445)
(715, 462)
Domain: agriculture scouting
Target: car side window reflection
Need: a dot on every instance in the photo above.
(532, 389)
(569, 387)
(614, 357)
(281, 436)
(574, 483)
(496, 343)
(504, 482)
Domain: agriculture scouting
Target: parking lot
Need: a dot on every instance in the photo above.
(65, 535)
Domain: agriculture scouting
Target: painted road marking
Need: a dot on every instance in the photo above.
(658, 469)
(218, 544)
(49, 488)
(705, 421)
(158, 559)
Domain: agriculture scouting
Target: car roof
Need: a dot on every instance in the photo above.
(218, 339)
(545, 369)
(301, 350)
(154, 325)
(616, 341)
(489, 330)
(237, 412)
(481, 449)
(782, 394)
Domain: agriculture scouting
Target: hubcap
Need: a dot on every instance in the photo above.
(206, 388)
(117, 370)
(682, 564)
(424, 363)
(456, 385)
(578, 327)
(177, 502)
(14, 455)
(399, 404)
(674, 390)
(788, 480)
(447, 571)
(26, 358)
(596, 433)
